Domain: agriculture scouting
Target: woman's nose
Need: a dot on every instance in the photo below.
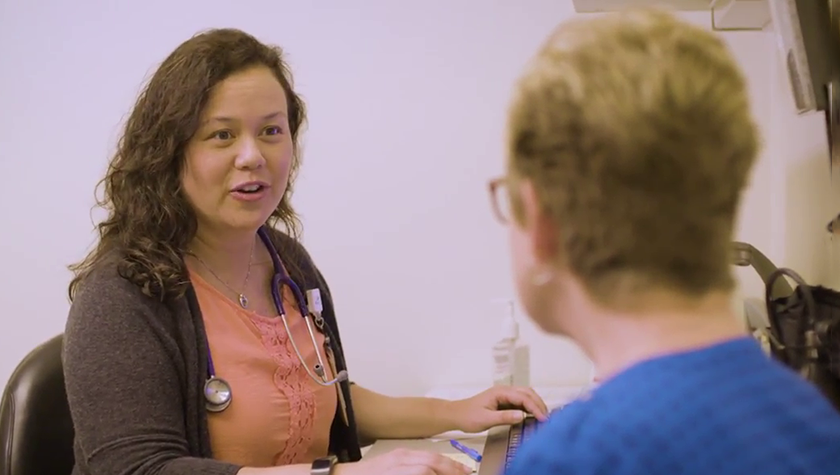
(250, 156)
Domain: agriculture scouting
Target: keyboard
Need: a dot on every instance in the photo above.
(518, 434)
(502, 443)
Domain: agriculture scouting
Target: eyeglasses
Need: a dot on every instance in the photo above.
(500, 199)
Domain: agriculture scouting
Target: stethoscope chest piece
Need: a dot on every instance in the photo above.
(217, 394)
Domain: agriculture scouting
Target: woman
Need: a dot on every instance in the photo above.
(178, 293)
(631, 142)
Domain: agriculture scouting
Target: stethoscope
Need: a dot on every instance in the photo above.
(218, 393)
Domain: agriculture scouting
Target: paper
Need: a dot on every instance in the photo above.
(458, 435)
(463, 459)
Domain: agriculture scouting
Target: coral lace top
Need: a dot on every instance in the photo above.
(278, 415)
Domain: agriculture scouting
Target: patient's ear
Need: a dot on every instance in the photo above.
(538, 224)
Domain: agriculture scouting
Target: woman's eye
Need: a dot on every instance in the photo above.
(273, 130)
(223, 135)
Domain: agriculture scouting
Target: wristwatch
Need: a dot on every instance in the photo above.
(323, 466)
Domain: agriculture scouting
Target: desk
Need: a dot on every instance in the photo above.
(554, 397)
(440, 446)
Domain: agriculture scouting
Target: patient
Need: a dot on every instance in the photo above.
(630, 144)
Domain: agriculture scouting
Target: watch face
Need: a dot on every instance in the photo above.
(322, 466)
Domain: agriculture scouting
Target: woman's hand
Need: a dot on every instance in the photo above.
(404, 462)
(499, 405)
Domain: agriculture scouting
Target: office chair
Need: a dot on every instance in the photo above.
(36, 431)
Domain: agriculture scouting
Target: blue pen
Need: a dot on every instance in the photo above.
(471, 453)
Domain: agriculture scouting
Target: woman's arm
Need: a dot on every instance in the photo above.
(299, 469)
(123, 384)
(384, 417)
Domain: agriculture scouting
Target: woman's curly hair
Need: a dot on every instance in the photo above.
(150, 221)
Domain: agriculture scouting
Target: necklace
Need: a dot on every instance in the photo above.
(243, 300)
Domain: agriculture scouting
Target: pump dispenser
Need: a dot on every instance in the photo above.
(511, 357)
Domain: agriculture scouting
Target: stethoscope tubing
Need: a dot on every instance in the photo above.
(219, 400)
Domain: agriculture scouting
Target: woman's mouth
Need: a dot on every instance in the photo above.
(251, 191)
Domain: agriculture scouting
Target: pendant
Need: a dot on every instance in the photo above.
(243, 301)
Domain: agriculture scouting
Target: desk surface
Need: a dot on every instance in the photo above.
(554, 397)
(440, 446)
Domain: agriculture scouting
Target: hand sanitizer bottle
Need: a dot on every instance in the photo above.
(511, 358)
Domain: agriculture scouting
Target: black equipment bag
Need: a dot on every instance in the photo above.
(804, 322)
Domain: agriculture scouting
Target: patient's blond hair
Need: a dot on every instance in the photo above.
(636, 130)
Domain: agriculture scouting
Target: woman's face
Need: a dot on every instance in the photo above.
(237, 164)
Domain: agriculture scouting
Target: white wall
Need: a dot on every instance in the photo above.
(406, 102)
(793, 195)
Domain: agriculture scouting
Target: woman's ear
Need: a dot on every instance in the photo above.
(537, 224)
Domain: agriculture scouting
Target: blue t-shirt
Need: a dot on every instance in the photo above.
(726, 409)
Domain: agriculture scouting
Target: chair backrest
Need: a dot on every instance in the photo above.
(36, 431)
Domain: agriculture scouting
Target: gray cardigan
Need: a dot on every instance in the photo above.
(135, 369)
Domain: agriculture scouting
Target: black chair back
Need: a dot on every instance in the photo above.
(36, 431)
